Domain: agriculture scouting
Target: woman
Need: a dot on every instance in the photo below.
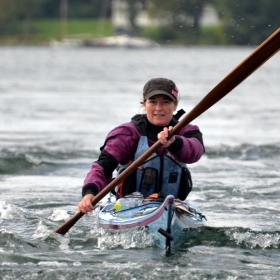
(163, 173)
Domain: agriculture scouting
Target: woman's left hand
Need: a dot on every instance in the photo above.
(163, 137)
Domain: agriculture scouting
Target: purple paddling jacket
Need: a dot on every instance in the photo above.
(121, 144)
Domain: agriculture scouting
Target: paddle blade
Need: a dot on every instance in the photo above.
(63, 229)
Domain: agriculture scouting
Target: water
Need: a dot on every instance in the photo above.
(57, 106)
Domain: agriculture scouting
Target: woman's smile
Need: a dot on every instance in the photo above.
(160, 110)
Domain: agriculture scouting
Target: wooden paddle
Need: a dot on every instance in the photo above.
(262, 53)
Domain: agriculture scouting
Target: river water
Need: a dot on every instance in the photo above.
(57, 106)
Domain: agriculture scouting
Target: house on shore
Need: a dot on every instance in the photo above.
(122, 17)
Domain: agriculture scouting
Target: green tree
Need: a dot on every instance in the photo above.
(16, 15)
(134, 7)
(181, 18)
(8, 13)
(248, 22)
(77, 9)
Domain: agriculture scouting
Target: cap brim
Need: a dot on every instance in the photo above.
(160, 92)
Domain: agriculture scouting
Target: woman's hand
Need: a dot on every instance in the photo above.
(163, 135)
(85, 204)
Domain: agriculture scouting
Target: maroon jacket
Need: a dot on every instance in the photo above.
(121, 143)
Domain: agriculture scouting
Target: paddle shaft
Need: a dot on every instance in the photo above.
(261, 54)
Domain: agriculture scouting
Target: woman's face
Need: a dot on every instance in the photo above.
(159, 110)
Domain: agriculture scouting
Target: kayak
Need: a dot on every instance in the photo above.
(167, 220)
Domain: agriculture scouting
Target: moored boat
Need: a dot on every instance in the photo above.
(167, 220)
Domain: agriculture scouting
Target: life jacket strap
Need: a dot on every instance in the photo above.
(179, 114)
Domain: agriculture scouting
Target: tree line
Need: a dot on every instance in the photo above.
(240, 21)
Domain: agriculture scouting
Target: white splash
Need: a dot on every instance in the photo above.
(9, 264)
(259, 239)
(64, 243)
(77, 264)
(8, 211)
(59, 215)
(53, 264)
(139, 238)
(41, 231)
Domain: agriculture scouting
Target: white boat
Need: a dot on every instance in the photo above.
(166, 220)
(120, 41)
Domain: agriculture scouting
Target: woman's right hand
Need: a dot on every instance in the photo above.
(85, 204)
(163, 137)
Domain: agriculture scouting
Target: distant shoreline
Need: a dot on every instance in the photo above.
(42, 32)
